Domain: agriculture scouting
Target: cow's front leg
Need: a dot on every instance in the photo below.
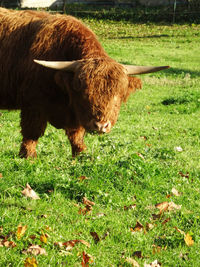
(33, 125)
(76, 137)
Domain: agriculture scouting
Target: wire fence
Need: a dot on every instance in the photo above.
(177, 11)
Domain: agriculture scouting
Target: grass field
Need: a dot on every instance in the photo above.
(150, 157)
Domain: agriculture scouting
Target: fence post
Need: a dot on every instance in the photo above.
(174, 14)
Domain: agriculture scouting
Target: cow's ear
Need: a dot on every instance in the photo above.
(64, 80)
(134, 83)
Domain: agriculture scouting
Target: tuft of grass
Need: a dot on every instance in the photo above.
(138, 163)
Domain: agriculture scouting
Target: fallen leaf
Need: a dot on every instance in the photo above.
(84, 243)
(138, 228)
(188, 240)
(32, 237)
(88, 202)
(1, 175)
(162, 206)
(156, 249)
(157, 216)
(82, 178)
(95, 237)
(86, 210)
(21, 231)
(167, 206)
(133, 262)
(131, 207)
(85, 260)
(29, 192)
(166, 221)
(43, 238)
(173, 206)
(153, 264)
(30, 262)
(140, 155)
(149, 226)
(71, 243)
(179, 230)
(44, 216)
(175, 192)
(184, 175)
(35, 250)
(7, 244)
(105, 235)
(184, 256)
(138, 254)
(187, 237)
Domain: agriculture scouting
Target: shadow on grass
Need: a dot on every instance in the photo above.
(141, 37)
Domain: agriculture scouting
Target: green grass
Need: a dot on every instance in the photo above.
(164, 115)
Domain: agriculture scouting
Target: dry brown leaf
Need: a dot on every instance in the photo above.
(29, 192)
(156, 249)
(133, 262)
(138, 254)
(187, 237)
(167, 206)
(95, 237)
(166, 221)
(88, 202)
(138, 228)
(1, 175)
(131, 207)
(21, 231)
(82, 178)
(162, 206)
(188, 240)
(7, 244)
(149, 226)
(35, 250)
(85, 260)
(71, 243)
(43, 238)
(179, 230)
(153, 264)
(173, 206)
(105, 235)
(30, 262)
(86, 210)
(140, 155)
(175, 192)
(184, 175)
(32, 237)
(44, 216)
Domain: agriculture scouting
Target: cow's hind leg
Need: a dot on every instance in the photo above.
(33, 125)
(76, 137)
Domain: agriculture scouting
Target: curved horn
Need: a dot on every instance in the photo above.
(59, 65)
(143, 69)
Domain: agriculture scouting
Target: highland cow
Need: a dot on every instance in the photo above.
(53, 69)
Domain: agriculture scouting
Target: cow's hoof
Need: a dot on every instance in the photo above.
(77, 150)
(25, 154)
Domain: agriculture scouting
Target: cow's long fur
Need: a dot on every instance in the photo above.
(67, 100)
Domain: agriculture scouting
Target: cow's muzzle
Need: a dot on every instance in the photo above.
(100, 127)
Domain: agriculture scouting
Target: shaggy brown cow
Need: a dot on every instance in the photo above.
(79, 87)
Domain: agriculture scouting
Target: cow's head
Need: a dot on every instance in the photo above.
(97, 87)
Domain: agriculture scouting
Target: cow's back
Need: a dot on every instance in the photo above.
(28, 35)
